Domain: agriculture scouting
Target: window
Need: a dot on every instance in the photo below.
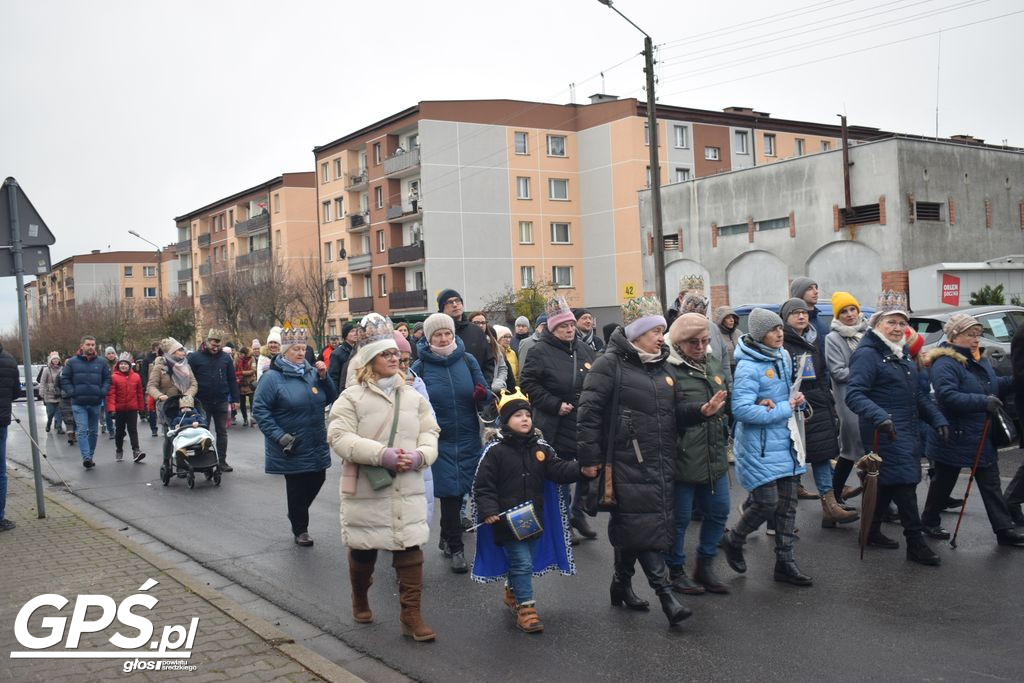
(382, 284)
(647, 134)
(682, 134)
(148, 271)
(324, 172)
(343, 288)
(364, 202)
(231, 216)
(522, 142)
(413, 141)
(128, 271)
(996, 326)
(525, 232)
(328, 255)
(378, 197)
(647, 174)
(421, 282)
(329, 286)
(522, 187)
(712, 153)
(327, 212)
(277, 203)
(332, 327)
(129, 292)
(380, 241)
(341, 250)
(825, 145)
(560, 233)
(772, 224)
(735, 229)
(682, 175)
(928, 211)
(151, 314)
(277, 238)
(376, 153)
(362, 161)
(769, 144)
(367, 285)
(149, 292)
(556, 145)
(558, 188)
(800, 147)
(339, 208)
(526, 275)
(670, 242)
(860, 215)
(337, 169)
(561, 276)
(741, 142)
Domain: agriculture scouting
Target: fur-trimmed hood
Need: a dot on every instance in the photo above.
(954, 352)
(493, 433)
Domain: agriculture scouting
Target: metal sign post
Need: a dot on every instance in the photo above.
(11, 204)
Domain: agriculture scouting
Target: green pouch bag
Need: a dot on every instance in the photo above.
(381, 477)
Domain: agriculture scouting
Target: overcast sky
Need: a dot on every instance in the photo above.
(122, 115)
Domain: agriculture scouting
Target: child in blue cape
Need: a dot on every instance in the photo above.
(520, 467)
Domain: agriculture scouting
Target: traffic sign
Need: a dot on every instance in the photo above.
(34, 232)
(36, 261)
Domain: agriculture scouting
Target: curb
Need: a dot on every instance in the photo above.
(280, 641)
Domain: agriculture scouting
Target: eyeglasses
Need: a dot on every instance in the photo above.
(803, 313)
(453, 300)
(697, 342)
(481, 323)
(971, 335)
(390, 353)
(404, 361)
(895, 323)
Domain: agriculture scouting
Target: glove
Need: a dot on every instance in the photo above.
(286, 442)
(993, 404)
(415, 460)
(943, 433)
(479, 392)
(389, 459)
(887, 427)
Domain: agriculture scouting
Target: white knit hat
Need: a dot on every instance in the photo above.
(435, 322)
(501, 331)
(275, 335)
(376, 335)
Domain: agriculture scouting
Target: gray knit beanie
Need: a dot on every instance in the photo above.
(799, 286)
(760, 322)
(523, 320)
(794, 304)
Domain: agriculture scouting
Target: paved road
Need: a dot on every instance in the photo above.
(882, 617)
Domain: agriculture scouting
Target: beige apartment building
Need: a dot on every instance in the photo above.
(271, 225)
(486, 195)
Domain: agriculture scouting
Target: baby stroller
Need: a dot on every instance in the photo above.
(201, 459)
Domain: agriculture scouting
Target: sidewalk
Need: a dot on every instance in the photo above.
(70, 555)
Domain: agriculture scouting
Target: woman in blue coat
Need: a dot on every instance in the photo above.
(885, 393)
(967, 391)
(455, 385)
(766, 462)
(289, 406)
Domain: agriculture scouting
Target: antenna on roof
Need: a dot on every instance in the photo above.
(572, 93)
(603, 89)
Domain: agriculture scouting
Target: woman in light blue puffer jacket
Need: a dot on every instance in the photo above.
(766, 462)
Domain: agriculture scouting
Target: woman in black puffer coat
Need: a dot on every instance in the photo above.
(821, 438)
(649, 413)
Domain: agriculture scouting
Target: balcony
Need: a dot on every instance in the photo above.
(253, 258)
(256, 224)
(206, 299)
(403, 164)
(184, 274)
(204, 270)
(357, 182)
(360, 304)
(416, 299)
(359, 222)
(359, 262)
(398, 214)
(183, 246)
(204, 240)
(410, 253)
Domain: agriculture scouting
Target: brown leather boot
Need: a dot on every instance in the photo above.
(527, 618)
(360, 575)
(832, 514)
(408, 565)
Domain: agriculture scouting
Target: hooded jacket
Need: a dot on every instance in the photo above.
(49, 383)
(762, 445)
(723, 343)
(86, 380)
(125, 394)
(701, 456)
(820, 436)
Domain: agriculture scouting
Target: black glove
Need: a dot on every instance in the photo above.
(943, 433)
(887, 427)
(287, 442)
(993, 404)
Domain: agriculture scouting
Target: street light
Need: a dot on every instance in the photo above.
(652, 127)
(159, 271)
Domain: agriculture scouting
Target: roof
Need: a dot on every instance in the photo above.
(298, 179)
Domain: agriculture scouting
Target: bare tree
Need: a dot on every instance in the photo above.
(316, 290)
(272, 293)
(230, 290)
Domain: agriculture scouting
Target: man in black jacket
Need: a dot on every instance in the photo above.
(9, 385)
(338, 366)
(449, 301)
(144, 366)
(218, 389)
(1015, 489)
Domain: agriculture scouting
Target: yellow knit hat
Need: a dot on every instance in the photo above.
(841, 300)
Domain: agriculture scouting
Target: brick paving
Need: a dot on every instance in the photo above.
(66, 555)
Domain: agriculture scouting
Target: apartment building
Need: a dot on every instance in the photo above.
(483, 195)
(271, 225)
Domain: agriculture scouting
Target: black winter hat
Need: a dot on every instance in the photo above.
(444, 296)
(346, 328)
(510, 404)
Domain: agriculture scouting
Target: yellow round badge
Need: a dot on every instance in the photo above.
(586, 365)
(540, 456)
(718, 379)
(669, 381)
(315, 390)
(769, 373)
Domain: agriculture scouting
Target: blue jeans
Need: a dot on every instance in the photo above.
(3, 470)
(108, 418)
(822, 476)
(519, 555)
(87, 427)
(713, 501)
(53, 414)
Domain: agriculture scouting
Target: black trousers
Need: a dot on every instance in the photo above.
(302, 490)
(244, 399)
(651, 561)
(905, 498)
(217, 415)
(1015, 489)
(126, 419)
(451, 522)
(986, 481)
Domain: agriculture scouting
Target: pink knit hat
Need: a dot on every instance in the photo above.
(403, 343)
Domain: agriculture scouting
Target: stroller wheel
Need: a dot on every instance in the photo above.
(165, 475)
(216, 479)
(191, 480)
(209, 475)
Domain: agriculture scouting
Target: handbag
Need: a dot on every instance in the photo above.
(379, 477)
(1004, 432)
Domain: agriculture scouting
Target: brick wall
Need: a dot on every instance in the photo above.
(719, 297)
(896, 280)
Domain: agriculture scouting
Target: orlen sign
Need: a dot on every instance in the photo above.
(950, 290)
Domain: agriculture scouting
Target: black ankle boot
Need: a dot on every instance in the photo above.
(672, 609)
(786, 571)
(681, 583)
(1016, 515)
(879, 540)
(622, 593)
(919, 551)
(733, 553)
(704, 574)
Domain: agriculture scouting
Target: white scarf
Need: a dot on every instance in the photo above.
(851, 333)
(388, 384)
(644, 356)
(444, 351)
(895, 347)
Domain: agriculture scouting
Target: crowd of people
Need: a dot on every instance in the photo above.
(523, 433)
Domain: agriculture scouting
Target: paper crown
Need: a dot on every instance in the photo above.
(891, 300)
(557, 306)
(641, 307)
(293, 335)
(692, 281)
(375, 327)
(507, 398)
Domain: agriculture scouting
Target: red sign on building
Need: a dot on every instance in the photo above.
(950, 290)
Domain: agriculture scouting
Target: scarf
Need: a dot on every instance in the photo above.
(444, 351)
(644, 356)
(810, 334)
(587, 338)
(896, 347)
(851, 333)
(389, 384)
(180, 372)
(294, 368)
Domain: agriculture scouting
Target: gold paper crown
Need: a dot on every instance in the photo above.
(891, 300)
(693, 281)
(375, 327)
(293, 335)
(557, 306)
(507, 398)
(641, 307)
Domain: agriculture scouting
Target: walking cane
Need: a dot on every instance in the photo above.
(43, 453)
(974, 468)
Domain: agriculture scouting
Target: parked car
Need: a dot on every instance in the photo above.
(35, 384)
(824, 312)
